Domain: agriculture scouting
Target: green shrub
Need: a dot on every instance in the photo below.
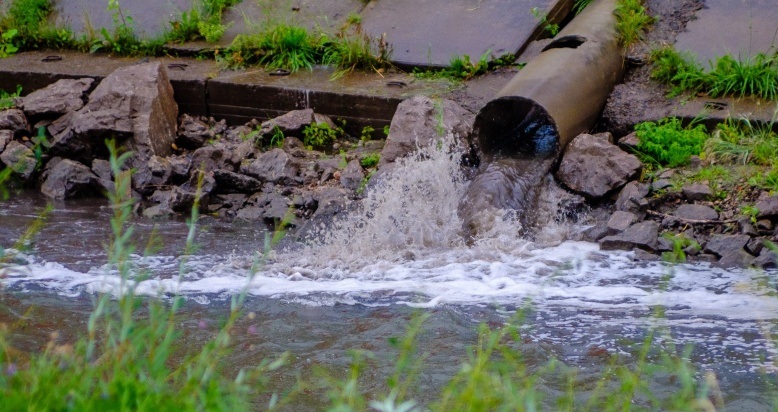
(289, 47)
(370, 160)
(668, 143)
(320, 135)
(8, 100)
(7, 47)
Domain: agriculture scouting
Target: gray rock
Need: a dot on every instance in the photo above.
(765, 225)
(331, 201)
(721, 245)
(14, 120)
(250, 213)
(595, 233)
(766, 260)
(593, 167)
(20, 159)
(629, 142)
(213, 157)
(697, 191)
(134, 102)
(417, 122)
(633, 197)
(642, 235)
(352, 176)
(661, 184)
(5, 137)
(621, 220)
(275, 166)
(696, 212)
(663, 244)
(231, 182)
(179, 167)
(158, 211)
(153, 173)
(54, 100)
(735, 259)
(746, 228)
(102, 169)
(68, 178)
(291, 123)
(645, 256)
(755, 246)
(193, 132)
(768, 207)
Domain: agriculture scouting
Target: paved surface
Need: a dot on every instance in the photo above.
(741, 28)
(421, 32)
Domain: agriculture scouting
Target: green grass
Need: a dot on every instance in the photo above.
(727, 76)
(668, 143)
(202, 22)
(631, 21)
(354, 49)
(320, 135)
(8, 100)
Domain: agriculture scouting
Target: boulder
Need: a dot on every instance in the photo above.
(768, 207)
(696, 212)
(212, 157)
(595, 233)
(231, 182)
(291, 123)
(135, 103)
(14, 120)
(632, 197)
(642, 235)
(68, 178)
(275, 166)
(352, 176)
(768, 259)
(621, 220)
(593, 167)
(722, 245)
(736, 259)
(421, 120)
(629, 142)
(102, 169)
(153, 173)
(697, 191)
(54, 100)
(20, 159)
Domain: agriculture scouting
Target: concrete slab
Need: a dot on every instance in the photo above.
(741, 28)
(254, 15)
(431, 32)
(149, 18)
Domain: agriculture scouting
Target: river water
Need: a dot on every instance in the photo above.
(355, 282)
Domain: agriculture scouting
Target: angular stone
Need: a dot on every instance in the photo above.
(212, 157)
(696, 212)
(697, 191)
(5, 137)
(629, 142)
(633, 197)
(736, 259)
(721, 245)
(20, 159)
(102, 169)
(755, 246)
(153, 173)
(291, 123)
(134, 102)
(352, 176)
(419, 121)
(275, 166)
(14, 120)
(193, 132)
(231, 182)
(621, 220)
(661, 184)
(68, 178)
(593, 167)
(54, 100)
(768, 207)
(595, 233)
(642, 235)
(768, 259)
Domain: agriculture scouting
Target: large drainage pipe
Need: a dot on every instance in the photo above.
(555, 97)
(563, 90)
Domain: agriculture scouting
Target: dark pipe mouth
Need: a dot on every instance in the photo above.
(516, 126)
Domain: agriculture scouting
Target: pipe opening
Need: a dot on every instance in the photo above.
(514, 125)
(566, 42)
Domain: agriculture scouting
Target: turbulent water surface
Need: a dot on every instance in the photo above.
(403, 248)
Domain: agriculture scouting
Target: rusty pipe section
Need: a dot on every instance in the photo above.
(560, 93)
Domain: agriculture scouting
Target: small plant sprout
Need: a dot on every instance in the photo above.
(370, 160)
(320, 135)
(542, 18)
